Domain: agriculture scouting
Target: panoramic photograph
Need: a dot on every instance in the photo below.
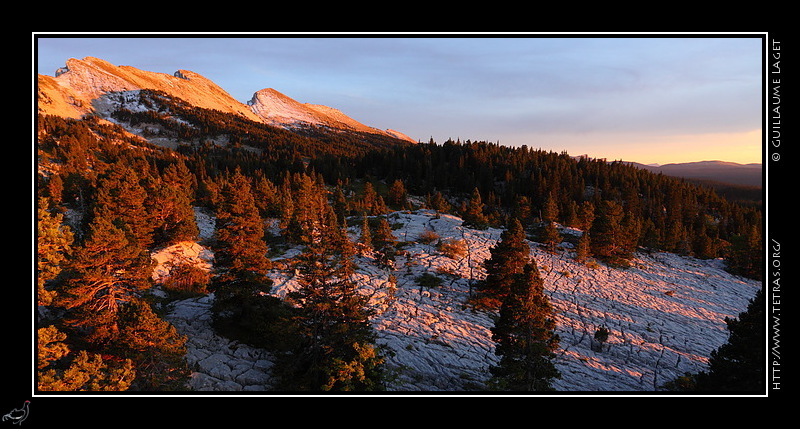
(518, 215)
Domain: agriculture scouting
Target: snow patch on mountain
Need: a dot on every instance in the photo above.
(76, 88)
(665, 315)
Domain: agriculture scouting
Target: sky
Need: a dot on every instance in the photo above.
(653, 99)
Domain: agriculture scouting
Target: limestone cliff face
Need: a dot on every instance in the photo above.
(80, 83)
(277, 109)
(77, 87)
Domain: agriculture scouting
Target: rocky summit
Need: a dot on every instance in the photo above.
(80, 86)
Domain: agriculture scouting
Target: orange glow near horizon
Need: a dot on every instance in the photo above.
(742, 148)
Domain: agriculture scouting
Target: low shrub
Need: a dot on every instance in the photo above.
(428, 237)
(187, 278)
(453, 249)
(429, 280)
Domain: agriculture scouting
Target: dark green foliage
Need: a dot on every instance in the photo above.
(384, 241)
(340, 205)
(439, 203)
(239, 248)
(185, 122)
(525, 336)
(550, 236)
(53, 243)
(267, 197)
(240, 257)
(613, 240)
(473, 213)
(259, 320)
(429, 280)
(739, 365)
(121, 199)
(522, 210)
(582, 249)
(663, 210)
(508, 258)
(335, 350)
(397, 197)
(170, 205)
(746, 253)
(155, 347)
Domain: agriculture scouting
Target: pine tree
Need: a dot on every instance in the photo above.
(630, 235)
(53, 243)
(473, 214)
(380, 207)
(582, 249)
(286, 207)
(550, 237)
(439, 203)
(155, 347)
(522, 210)
(267, 198)
(384, 236)
(384, 241)
(240, 253)
(366, 235)
(340, 205)
(107, 270)
(61, 369)
(608, 235)
(650, 236)
(309, 199)
(121, 198)
(337, 350)
(55, 189)
(397, 195)
(171, 211)
(738, 365)
(745, 256)
(550, 209)
(586, 216)
(240, 250)
(525, 336)
(507, 258)
(369, 200)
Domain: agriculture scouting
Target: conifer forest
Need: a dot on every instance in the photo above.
(105, 200)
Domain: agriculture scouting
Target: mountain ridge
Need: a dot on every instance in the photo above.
(711, 170)
(76, 87)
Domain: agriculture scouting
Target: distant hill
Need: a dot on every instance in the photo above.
(712, 171)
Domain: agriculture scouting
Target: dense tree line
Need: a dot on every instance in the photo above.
(632, 207)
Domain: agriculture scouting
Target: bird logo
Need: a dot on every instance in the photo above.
(17, 415)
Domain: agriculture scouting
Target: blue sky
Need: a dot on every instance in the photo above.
(644, 99)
